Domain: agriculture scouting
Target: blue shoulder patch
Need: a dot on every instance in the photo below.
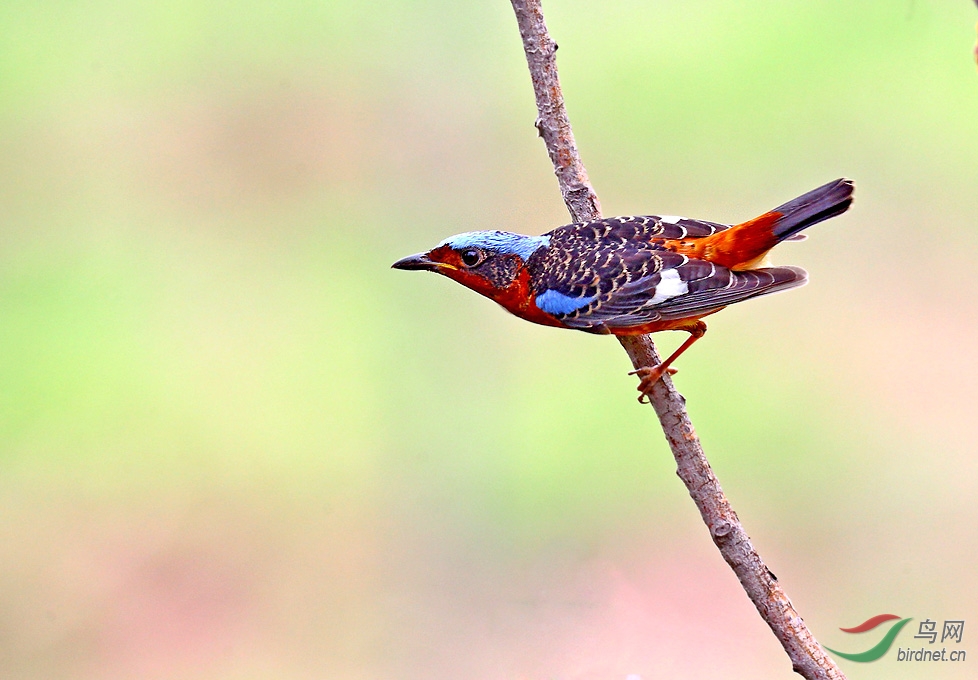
(498, 242)
(554, 302)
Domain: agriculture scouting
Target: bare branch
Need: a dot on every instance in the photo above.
(762, 587)
(552, 122)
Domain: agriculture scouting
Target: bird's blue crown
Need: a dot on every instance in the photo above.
(498, 242)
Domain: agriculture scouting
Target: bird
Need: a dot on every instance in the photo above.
(633, 275)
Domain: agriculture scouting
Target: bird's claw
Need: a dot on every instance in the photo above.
(650, 375)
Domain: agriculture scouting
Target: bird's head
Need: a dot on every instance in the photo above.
(488, 262)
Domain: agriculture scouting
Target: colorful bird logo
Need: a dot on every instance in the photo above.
(883, 646)
(633, 275)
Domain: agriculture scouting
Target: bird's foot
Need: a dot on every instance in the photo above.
(650, 375)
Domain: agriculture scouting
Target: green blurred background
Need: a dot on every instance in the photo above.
(235, 444)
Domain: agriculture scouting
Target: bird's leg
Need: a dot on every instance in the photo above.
(650, 375)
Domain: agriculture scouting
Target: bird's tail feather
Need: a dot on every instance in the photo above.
(816, 206)
(745, 245)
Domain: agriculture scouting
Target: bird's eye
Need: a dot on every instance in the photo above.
(472, 257)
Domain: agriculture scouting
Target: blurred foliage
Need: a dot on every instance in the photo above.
(233, 443)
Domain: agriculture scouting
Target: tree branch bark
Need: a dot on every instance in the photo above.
(762, 587)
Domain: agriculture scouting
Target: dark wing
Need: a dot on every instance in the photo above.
(651, 227)
(600, 283)
(741, 285)
(659, 228)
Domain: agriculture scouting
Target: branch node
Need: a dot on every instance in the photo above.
(721, 529)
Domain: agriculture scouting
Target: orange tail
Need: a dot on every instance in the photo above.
(743, 245)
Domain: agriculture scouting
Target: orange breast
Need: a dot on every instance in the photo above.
(515, 298)
(518, 300)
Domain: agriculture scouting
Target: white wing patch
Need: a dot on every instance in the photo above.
(670, 219)
(670, 286)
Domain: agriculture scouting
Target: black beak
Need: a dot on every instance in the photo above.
(419, 261)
